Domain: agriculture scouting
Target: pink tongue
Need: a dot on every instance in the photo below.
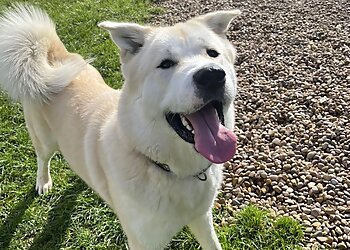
(212, 140)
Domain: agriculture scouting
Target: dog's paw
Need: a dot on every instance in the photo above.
(43, 185)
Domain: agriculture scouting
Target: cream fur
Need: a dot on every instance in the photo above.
(109, 136)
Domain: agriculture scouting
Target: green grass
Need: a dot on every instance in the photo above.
(71, 216)
(254, 228)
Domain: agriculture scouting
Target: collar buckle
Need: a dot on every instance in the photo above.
(201, 176)
(163, 166)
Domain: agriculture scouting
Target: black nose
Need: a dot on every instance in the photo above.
(209, 79)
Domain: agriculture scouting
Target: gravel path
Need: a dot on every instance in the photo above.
(293, 110)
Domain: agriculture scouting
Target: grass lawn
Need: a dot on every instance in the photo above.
(71, 216)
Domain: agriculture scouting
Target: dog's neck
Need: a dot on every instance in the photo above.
(202, 176)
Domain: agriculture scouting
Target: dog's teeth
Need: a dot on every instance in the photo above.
(184, 121)
(217, 114)
(186, 124)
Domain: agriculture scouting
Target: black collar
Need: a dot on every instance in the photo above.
(202, 176)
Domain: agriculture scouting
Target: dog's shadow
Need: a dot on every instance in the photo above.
(9, 226)
(59, 218)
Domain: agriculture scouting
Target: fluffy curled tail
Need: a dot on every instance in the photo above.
(34, 63)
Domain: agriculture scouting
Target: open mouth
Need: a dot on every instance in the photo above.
(183, 127)
(206, 129)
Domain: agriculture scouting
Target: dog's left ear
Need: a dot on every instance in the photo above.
(219, 21)
(129, 37)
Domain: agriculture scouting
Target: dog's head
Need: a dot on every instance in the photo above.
(180, 86)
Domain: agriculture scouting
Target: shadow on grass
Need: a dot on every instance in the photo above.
(53, 234)
(9, 227)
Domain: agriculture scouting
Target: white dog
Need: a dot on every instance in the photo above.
(152, 150)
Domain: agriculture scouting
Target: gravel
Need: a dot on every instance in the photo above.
(292, 110)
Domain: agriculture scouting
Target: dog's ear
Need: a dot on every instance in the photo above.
(129, 37)
(219, 21)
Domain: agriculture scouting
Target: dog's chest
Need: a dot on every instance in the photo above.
(172, 197)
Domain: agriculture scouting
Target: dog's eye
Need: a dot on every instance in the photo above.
(166, 64)
(212, 53)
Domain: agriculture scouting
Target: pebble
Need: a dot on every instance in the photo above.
(320, 187)
(327, 177)
(314, 190)
(273, 177)
(293, 207)
(263, 174)
(315, 212)
(342, 246)
(334, 181)
(329, 210)
(277, 189)
(235, 202)
(309, 230)
(310, 155)
(338, 231)
(324, 239)
(276, 141)
(316, 224)
(346, 229)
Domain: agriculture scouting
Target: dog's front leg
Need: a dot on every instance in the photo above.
(133, 244)
(203, 230)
